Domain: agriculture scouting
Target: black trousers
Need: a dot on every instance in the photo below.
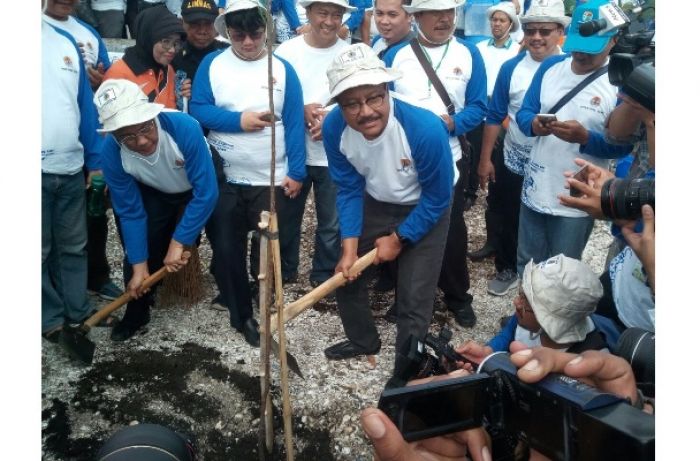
(416, 278)
(503, 212)
(454, 274)
(474, 137)
(163, 211)
(237, 213)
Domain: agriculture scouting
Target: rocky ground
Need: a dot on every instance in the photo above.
(190, 371)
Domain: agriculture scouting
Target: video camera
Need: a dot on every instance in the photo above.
(632, 58)
(559, 416)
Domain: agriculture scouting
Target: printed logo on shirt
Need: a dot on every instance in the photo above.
(179, 163)
(457, 71)
(406, 165)
(595, 101)
(68, 65)
(274, 85)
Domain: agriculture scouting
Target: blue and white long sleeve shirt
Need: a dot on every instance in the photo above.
(410, 163)
(182, 162)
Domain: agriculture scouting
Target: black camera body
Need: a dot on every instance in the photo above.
(559, 416)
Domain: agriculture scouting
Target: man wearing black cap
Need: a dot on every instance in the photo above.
(198, 18)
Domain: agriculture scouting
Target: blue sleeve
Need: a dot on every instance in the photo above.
(290, 12)
(222, 3)
(203, 105)
(474, 109)
(432, 156)
(199, 168)
(350, 184)
(597, 146)
(531, 102)
(498, 105)
(126, 201)
(293, 121)
(503, 338)
(357, 16)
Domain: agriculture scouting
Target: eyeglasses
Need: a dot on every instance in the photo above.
(544, 32)
(239, 36)
(374, 102)
(169, 43)
(145, 129)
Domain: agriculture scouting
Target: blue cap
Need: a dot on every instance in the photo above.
(586, 12)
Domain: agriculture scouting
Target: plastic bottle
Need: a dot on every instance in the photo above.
(96, 197)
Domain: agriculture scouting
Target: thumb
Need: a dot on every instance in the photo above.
(649, 219)
(388, 443)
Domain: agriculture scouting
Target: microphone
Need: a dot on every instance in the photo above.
(592, 27)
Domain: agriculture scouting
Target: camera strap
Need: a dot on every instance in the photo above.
(440, 89)
(575, 90)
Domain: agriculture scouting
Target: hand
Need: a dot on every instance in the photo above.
(186, 88)
(92, 174)
(291, 188)
(643, 244)
(389, 444)
(388, 248)
(140, 274)
(606, 372)
(343, 32)
(486, 172)
(590, 200)
(449, 122)
(539, 128)
(348, 258)
(569, 131)
(254, 121)
(474, 352)
(96, 75)
(314, 114)
(177, 257)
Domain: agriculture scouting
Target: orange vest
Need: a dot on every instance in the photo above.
(158, 88)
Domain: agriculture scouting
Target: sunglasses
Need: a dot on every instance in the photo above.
(544, 32)
(239, 36)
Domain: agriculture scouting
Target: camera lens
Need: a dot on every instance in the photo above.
(637, 346)
(624, 198)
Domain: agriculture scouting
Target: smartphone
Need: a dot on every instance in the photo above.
(268, 118)
(581, 175)
(545, 119)
(438, 407)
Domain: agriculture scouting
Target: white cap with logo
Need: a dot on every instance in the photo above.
(546, 11)
(122, 103)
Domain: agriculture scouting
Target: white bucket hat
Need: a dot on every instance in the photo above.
(562, 292)
(355, 66)
(121, 103)
(231, 7)
(343, 3)
(417, 6)
(509, 10)
(546, 11)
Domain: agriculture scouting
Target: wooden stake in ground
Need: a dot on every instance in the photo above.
(265, 275)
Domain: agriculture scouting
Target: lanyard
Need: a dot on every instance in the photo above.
(444, 53)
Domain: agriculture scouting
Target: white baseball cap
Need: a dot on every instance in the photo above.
(509, 10)
(231, 7)
(343, 3)
(355, 66)
(417, 6)
(562, 292)
(122, 103)
(546, 11)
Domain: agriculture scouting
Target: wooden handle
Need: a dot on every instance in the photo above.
(295, 308)
(123, 299)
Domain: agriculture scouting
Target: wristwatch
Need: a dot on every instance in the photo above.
(402, 240)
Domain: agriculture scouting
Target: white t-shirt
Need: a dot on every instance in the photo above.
(106, 5)
(550, 156)
(494, 58)
(90, 45)
(310, 64)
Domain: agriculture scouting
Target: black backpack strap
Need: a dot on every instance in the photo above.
(575, 90)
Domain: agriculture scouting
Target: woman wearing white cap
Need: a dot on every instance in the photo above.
(460, 68)
(155, 163)
(230, 98)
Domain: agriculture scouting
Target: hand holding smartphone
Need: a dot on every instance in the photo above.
(581, 175)
(546, 119)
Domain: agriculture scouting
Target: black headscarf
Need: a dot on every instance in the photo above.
(152, 25)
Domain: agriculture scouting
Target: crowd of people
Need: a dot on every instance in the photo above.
(394, 131)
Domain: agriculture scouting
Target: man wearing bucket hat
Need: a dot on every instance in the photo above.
(500, 47)
(503, 167)
(230, 98)
(392, 165)
(460, 70)
(310, 55)
(155, 163)
(546, 226)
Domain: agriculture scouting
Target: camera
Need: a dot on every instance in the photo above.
(560, 417)
(637, 346)
(624, 198)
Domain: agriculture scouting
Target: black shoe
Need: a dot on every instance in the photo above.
(482, 253)
(250, 332)
(53, 335)
(464, 315)
(346, 349)
(126, 329)
(390, 315)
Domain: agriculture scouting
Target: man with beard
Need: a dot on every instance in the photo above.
(392, 164)
(310, 54)
(546, 226)
(393, 23)
(502, 166)
(461, 72)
